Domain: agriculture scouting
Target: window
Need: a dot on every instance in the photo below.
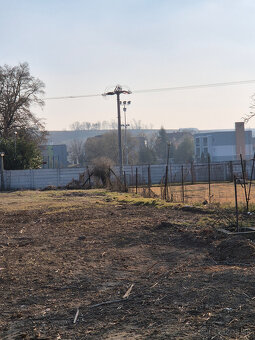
(205, 151)
(205, 141)
(197, 141)
(198, 152)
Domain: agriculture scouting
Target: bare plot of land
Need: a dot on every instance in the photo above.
(73, 255)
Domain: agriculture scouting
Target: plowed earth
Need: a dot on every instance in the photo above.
(67, 259)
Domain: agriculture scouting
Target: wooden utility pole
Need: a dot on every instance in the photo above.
(118, 91)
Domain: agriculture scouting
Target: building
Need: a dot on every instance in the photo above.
(54, 156)
(224, 145)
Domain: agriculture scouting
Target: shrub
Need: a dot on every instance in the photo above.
(101, 170)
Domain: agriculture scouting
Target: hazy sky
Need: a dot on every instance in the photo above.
(85, 47)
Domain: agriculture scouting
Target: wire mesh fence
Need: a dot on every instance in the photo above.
(194, 183)
(197, 193)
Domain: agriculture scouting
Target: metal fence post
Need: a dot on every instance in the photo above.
(252, 169)
(125, 181)
(149, 180)
(244, 181)
(183, 194)
(136, 180)
(166, 181)
(236, 204)
(192, 172)
(209, 178)
(231, 171)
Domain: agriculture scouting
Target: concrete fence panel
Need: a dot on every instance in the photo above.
(41, 178)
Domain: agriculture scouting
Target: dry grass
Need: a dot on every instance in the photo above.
(222, 193)
(53, 200)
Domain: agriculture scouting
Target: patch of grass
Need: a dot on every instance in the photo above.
(138, 200)
(52, 199)
(220, 193)
(205, 221)
(61, 200)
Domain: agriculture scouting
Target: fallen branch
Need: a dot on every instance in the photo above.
(109, 302)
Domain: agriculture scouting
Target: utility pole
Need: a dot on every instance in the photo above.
(168, 153)
(124, 103)
(2, 171)
(118, 91)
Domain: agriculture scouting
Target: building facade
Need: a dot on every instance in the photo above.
(224, 145)
(54, 156)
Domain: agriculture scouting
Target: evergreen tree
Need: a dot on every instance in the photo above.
(22, 154)
(161, 145)
(184, 152)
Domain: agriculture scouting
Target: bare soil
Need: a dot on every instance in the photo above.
(69, 255)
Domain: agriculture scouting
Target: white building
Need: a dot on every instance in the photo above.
(224, 145)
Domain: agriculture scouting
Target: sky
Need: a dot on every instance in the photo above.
(80, 47)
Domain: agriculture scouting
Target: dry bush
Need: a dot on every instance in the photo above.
(101, 170)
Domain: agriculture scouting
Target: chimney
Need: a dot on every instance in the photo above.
(240, 140)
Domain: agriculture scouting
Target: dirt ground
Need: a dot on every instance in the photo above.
(67, 258)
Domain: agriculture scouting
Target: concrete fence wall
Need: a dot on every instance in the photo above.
(41, 178)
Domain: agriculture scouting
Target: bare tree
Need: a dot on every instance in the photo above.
(79, 126)
(136, 124)
(105, 125)
(113, 124)
(106, 145)
(251, 114)
(88, 125)
(18, 92)
(96, 126)
(76, 126)
(77, 151)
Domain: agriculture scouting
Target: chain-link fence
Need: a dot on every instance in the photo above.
(194, 183)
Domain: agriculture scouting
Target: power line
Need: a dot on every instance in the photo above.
(191, 87)
(176, 88)
(74, 97)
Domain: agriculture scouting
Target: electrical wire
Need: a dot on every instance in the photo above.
(191, 87)
(74, 97)
(176, 88)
